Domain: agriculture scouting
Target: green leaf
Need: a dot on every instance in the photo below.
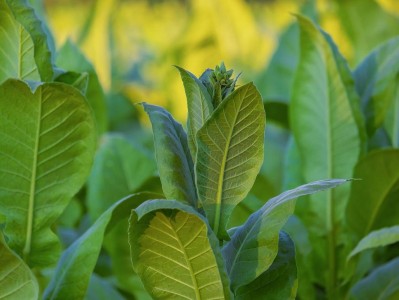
(101, 289)
(376, 82)
(373, 200)
(280, 280)
(382, 283)
(70, 58)
(323, 110)
(16, 279)
(47, 145)
(77, 80)
(199, 105)
(174, 161)
(74, 269)
(25, 54)
(230, 154)
(377, 238)
(391, 123)
(176, 253)
(254, 245)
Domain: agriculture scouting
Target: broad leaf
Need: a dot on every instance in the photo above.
(176, 253)
(376, 82)
(101, 289)
(199, 105)
(325, 120)
(70, 58)
(74, 269)
(373, 200)
(382, 283)
(24, 52)
(280, 280)
(377, 238)
(47, 144)
(77, 80)
(230, 154)
(174, 161)
(16, 279)
(254, 245)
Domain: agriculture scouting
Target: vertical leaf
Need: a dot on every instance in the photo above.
(230, 154)
(174, 161)
(175, 252)
(199, 105)
(47, 145)
(16, 279)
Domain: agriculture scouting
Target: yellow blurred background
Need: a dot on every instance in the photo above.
(134, 44)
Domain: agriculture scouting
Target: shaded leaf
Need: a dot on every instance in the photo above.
(74, 269)
(176, 253)
(230, 154)
(244, 259)
(174, 161)
(47, 144)
(16, 279)
(101, 289)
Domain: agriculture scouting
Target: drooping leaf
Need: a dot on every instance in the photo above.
(254, 245)
(176, 253)
(382, 283)
(119, 169)
(199, 105)
(74, 269)
(230, 154)
(373, 200)
(377, 238)
(174, 161)
(47, 144)
(323, 110)
(16, 279)
(280, 280)
(25, 52)
(70, 58)
(377, 78)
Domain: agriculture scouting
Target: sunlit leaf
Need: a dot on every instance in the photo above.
(47, 145)
(230, 154)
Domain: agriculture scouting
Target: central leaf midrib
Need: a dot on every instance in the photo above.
(221, 174)
(29, 225)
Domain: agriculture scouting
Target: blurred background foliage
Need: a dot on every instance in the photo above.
(133, 44)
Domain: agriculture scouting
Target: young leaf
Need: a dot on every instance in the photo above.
(376, 82)
(16, 279)
(382, 283)
(70, 58)
(176, 253)
(174, 161)
(373, 200)
(199, 105)
(230, 154)
(47, 145)
(280, 280)
(377, 238)
(74, 269)
(23, 30)
(254, 245)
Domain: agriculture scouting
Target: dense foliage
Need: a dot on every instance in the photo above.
(94, 206)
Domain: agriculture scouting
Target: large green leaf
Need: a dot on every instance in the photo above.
(373, 201)
(199, 106)
(230, 154)
(16, 279)
(280, 280)
(176, 253)
(70, 58)
(174, 161)
(47, 145)
(74, 269)
(382, 283)
(254, 245)
(24, 52)
(377, 238)
(119, 169)
(376, 82)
